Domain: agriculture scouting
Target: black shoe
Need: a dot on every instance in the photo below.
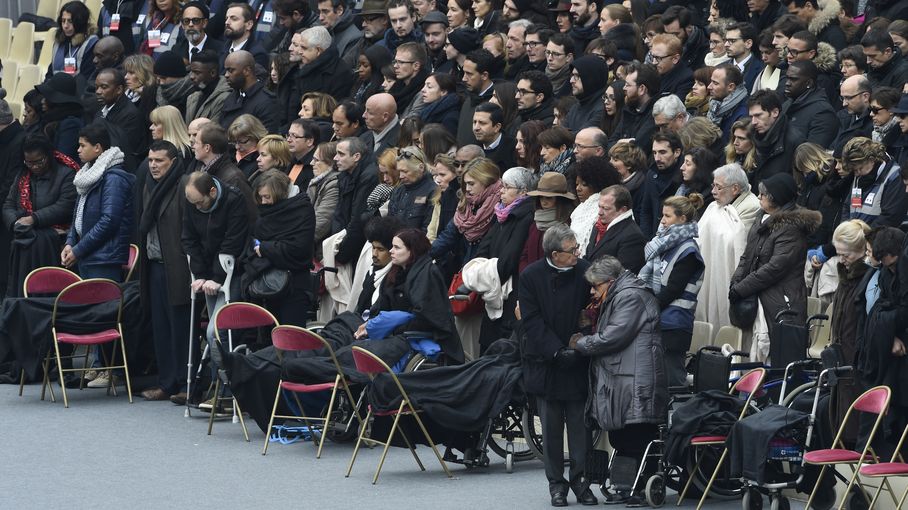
(635, 501)
(559, 499)
(72, 381)
(825, 498)
(616, 498)
(587, 498)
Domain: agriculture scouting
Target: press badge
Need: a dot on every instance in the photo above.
(69, 65)
(154, 38)
(165, 37)
(268, 17)
(856, 198)
(140, 19)
(115, 23)
(870, 198)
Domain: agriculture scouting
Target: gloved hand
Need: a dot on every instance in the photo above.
(733, 296)
(567, 358)
(817, 253)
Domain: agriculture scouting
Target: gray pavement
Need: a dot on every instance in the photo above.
(105, 453)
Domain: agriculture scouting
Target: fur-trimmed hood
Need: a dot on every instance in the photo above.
(826, 57)
(829, 12)
(805, 220)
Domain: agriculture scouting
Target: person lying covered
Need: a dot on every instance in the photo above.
(415, 285)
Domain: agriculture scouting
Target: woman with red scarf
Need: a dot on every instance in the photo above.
(38, 209)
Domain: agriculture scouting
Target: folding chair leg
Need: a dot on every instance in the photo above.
(876, 494)
(384, 453)
(214, 406)
(816, 486)
(690, 478)
(327, 421)
(854, 475)
(125, 368)
(60, 373)
(712, 478)
(271, 420)
(239, 412)
(434, 448)
(902, 501)
(45, 384)
(21, 381)
(359, 441)
(411, 448)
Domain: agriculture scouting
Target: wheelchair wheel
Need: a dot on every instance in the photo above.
(342, 416)
(655, 491)
(780, 502)
(752, 499)
(506, 428)
(509, 463)
(532, 429)
(723, 487)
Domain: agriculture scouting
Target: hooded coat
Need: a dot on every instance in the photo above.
(588, 111)
(811, 114)
(210, 107)
(825, 24)
(628, 383)
(772, 266)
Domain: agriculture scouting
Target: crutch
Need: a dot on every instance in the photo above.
(228, 262)
(192, 299)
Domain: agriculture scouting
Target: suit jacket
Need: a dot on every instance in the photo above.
(181, 48)
(126, 119)
(252, 46)
(390, 140)
(504, 154)
(623, 240)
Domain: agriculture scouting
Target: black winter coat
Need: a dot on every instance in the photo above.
(851, 126)
(892, 74)
(812, 115)
(444, 111)
(659, 185)
(623, 240)
(259, 102)
(637, 124)
(550, 304)
(353, 189)
(412, 203)
(223, 229)
(775, 149)
(328, 73)
(505, 240)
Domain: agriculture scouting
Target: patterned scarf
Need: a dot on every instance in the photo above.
(666, 239)
(90, 174)
(560, 164)
(474, 223)
(719, 109)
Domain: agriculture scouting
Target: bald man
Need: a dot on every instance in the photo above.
(108, 52)
(589, 142)
(854, 117)
(249, 95)
(382, 123)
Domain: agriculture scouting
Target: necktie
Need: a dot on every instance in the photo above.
(192, 53)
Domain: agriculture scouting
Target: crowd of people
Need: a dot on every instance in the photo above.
(591, 177)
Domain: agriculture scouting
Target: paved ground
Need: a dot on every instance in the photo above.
(104, 453)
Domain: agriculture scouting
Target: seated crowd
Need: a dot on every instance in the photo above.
(599, 176)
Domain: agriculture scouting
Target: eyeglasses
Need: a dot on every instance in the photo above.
(581, 146)
(509, 187)
(192, 21)
(296, 136)
(549, 53)
(849, 98)
(532, 44)
(524, 92)
(35, 164)
(795, 52)
(658, 60)
(397, 62)
(732, 40)
(408, 154)
(876, 109)
(573, 251)
(720, 188)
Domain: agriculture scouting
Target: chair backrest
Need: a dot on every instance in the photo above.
(295, 338)
(10, 74)
(875, 400)
(90, 292)
(6, 37)
(751, 382)
(702, 335)
(48, 280)
(29, 76)
(730, 335)
(130, 265)
(22, 48)
(240, 315)
(47, 48)
(48, 8)
(371, 365)
(814, 304)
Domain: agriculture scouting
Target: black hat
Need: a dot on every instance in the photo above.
(593, 73)
(206, 12)
(781, 187)
(170, 65)
(559, 5)
(59, 89)
(434, 17)
(464, 39)
(902, 107)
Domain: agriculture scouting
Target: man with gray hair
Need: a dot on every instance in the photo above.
(321, 68)
(464, 155)
(518, 61)
(723, 235)
(670, 114)
(552, 293)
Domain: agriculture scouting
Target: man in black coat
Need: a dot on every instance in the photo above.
(534, 98)
(854, 118)
(616, 233)
(679, 22)
(249, 95)
(888, 67)
(119, 114)
(675, 77)
(552, 293)
(382, 123)
(588, 80)
(358, 177)
(488, 128)
(774, 137)
(12, 135)
(662, 180)
(641, 90)
(321, 68)
(807, 108)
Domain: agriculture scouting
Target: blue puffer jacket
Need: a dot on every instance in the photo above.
(106, 221)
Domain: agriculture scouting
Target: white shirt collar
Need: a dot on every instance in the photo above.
(493, 145)
(199, 46)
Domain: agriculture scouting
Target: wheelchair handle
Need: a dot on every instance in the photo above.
(459, 297)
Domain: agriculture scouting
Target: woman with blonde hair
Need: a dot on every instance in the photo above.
(741, 148)
(244, 134)
(495, 44)
(274, 154)
(167, 124)
(445, 198)
(141, 86)
(410, 202)
(388, 178)
(701, 132)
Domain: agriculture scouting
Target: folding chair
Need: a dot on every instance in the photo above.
(895, 467)
(295, 338)
(372, 365)
(29, 76)
(702, 335)
(730, 335)
(22, 49)
(93, 291)
(875, 401)
(46, 280)
(48, 8)
(232, 316)
(130, 265)
(750, 383)
(47, 49)
(6, 37)
(10, 75)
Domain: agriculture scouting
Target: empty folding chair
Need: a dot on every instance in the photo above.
(48, 280)
(295, 338)
(47, 49)
(6, 37)
(896, 467)
(874, 401)
(230, 317)
(372, 365)
(22, 49)
(131, 262)
(749, 384)
(94, 291)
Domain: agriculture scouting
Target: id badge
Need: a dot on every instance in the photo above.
(856, 198)
(140, 19)
(268, 17)
(165, 37)
(115, 23)
(69, 65)
(154, 38)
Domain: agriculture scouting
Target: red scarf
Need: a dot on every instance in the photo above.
(24, 186)
(600, 230)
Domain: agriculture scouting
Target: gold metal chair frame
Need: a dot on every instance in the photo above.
(896, 458)
(111, 387)
(339, 380)
(406, 408)
(45, 385)
(712, 478)
(218, 387)
(837, 443)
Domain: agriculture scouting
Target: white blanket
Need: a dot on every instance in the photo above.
(481, 275)
(722, 240)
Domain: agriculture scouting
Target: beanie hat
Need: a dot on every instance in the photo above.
(781, 187)
(6, 114)
(593, 73)
(464, 40)
(170, 65)
(206, 12)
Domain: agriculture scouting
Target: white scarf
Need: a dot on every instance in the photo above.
(89, 175)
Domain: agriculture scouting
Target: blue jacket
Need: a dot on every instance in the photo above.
(106, 221)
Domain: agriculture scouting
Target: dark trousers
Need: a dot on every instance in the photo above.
(170, 328)
(293, 309)
(676, 343)
(555, 415)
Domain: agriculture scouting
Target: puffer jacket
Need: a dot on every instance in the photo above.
(772, 266)
(411, 203)
(627, 374)
(107, 220)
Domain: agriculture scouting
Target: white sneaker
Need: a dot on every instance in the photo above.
(91, 375)
(101, 381)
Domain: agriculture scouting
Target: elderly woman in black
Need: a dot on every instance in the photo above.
(282, 240)
(414, 284)
(38, 210)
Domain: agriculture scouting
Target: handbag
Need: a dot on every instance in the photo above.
(471, 306)
(271, 283)
(743, 312)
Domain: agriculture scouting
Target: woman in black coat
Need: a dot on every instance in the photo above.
(442, 104)
(37, 211)
(415, 285)
(283, 239)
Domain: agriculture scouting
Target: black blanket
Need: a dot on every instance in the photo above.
(707, 413)
(748, 441)
(25, 335)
